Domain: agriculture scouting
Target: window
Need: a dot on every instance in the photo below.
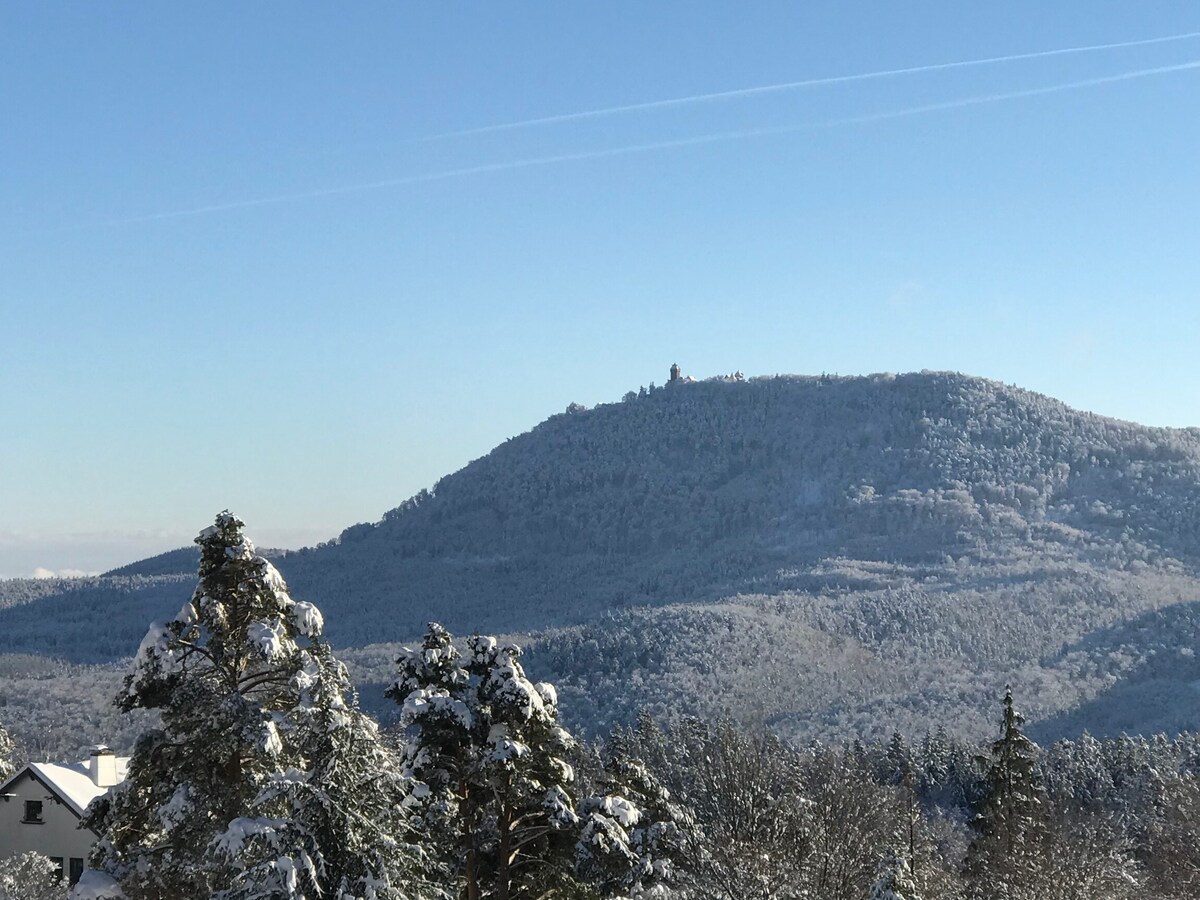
(58, 865)
(33, 811)
(76, 869)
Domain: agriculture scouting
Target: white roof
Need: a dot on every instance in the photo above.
(73, 781)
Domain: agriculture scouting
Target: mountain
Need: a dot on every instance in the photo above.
(826, 555)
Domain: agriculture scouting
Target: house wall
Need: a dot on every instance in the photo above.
(57, 836)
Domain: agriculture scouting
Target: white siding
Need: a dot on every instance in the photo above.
(56, 836)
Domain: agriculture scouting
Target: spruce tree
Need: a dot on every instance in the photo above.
(898, 762)
(264, 779)
(895, 881)
(934, 762)
(1004, 858)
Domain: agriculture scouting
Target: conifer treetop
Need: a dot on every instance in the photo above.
(265, 779)
(895, 881)
(240, 619)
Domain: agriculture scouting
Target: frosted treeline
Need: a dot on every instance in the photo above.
(260, 777)
(826, 556)
(937, 818)
(255, 774)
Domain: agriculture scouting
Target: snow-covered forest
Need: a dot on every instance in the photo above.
(255, 774)
(768, 626)
(774, 550)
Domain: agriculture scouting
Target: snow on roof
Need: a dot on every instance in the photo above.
(73, 781)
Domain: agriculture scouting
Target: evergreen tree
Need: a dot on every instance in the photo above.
(493, 784)
(7, 751)
(633, 834)
(935, 760)
(265, 780)
(895, 881)
(897, 761)
(339, 827)
(489, 760)
(1010, 822)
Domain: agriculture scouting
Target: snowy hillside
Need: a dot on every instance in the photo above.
(823, 554)
(706, 490)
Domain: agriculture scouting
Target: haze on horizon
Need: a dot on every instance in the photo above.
(304, 266)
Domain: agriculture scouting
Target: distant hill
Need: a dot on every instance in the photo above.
(823, 554)
(183, 561)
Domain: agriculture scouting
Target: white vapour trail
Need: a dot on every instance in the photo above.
(797, 85)
(658, 145)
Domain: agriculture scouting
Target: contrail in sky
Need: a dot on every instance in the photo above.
(796, 85)
(658, 145)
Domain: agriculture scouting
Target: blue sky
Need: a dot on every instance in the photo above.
(205, 303)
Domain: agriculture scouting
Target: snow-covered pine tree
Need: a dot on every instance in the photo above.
(490, 764)
(435, 693)
(7, 750)
(527, 770)
(261, 776)
(898, 762)
(1004, 858)
(933, 762)
(895, 881)
(633, 834)
(493, 784)
(338, 827)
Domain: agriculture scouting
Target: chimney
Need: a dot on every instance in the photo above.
(103, 766)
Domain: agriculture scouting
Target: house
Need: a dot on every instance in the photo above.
(40, 808)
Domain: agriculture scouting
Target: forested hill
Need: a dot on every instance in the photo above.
(703, 490)
(780, 545)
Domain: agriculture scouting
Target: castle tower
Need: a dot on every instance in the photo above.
(674, 371)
